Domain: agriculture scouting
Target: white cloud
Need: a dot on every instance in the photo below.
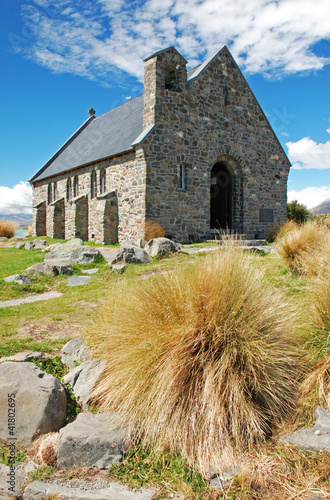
(96, 39)
(328, 130)
(17, 199)
(310, 196)
(307, 153)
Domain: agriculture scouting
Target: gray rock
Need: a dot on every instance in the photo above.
(130, 253)
(39, 244)
(119, 268)
(51, 268)
(20, 244)
(78, 280)
(21, 357)
(141, 243)
(12, 478)
(39, 490)
(75, 351)
(161, 246)
(83, 378)
(31, 467)
(21, 279)
(29, 245)
(3, 238)
(93, 439)
(314, 438)
(90, 271)
(73, 252)
(40, 401)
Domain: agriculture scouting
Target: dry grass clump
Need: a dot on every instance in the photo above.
(153, 229)
(300, 246)
(43, 450)
(200, 360)
(7, 228)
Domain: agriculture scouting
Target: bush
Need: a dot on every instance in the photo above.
(298, 212)
(201, 360)
(7, 228)
(153, 229)
(300, 247)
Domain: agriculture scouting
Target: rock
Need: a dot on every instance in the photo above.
(314, 438)
(51, 268)
(3, 238)
(21, 279)
(23, 356)
(39, 244)
(78, 280)
(73, 252)
(20, 244)
(40, 401)
(129, 252)
(141, 243)
(161, 246)
(75, 351)
(93, 439)
(29, 245)
(90, 271)
(119, 268)
(31, 467)
(39, 491)
(83, 378)
(11, 478)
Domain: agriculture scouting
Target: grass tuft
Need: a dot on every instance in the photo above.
(153, 229)
(7, 228)
(200, 360)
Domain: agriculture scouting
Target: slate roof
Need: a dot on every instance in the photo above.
(107, 135)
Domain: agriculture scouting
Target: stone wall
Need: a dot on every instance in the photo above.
(216, 119)
(104, 218)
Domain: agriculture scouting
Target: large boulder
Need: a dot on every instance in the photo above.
(23, 356)
(39, 399)
(39, 491)
(49, 268)
(313, 438)
(74, 352)
(83, 378)
(92, 440)
(73, 252)
(161, 246)
(130, 253)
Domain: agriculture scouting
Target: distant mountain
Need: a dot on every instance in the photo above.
(23, 220)
(322, 208)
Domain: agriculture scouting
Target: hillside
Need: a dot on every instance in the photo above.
(22, 219)
(322, 208)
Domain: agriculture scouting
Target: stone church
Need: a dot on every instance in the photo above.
(194, 152)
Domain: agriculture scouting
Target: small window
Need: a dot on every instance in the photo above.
(55, 193)
(93, 185)
(75, 187)
(182, 178)
(50, 194)
(102, 181)
(69, 189)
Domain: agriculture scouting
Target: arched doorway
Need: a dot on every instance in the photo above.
(221, 197)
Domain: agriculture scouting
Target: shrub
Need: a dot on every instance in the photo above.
(299, 246)
(7, 228)
(298, 212)
(153, 229)
(201, 360)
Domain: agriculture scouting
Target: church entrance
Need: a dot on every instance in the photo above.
(221, 197)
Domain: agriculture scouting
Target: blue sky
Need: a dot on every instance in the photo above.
(58, 58)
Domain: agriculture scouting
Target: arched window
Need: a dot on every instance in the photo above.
(50, 194)
(75, 187)
(55, 194)
(93, 185)
(102, 181)
(69, 189)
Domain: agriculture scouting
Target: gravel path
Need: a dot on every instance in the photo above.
(32, 298)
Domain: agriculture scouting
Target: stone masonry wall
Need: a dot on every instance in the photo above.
(124, 175)
(216, 119)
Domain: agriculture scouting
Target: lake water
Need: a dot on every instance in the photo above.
(19, 233)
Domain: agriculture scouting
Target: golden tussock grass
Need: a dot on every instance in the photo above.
(202, 360)
(43, 450)
(301, 246)
(153, 229)
(7, 228)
